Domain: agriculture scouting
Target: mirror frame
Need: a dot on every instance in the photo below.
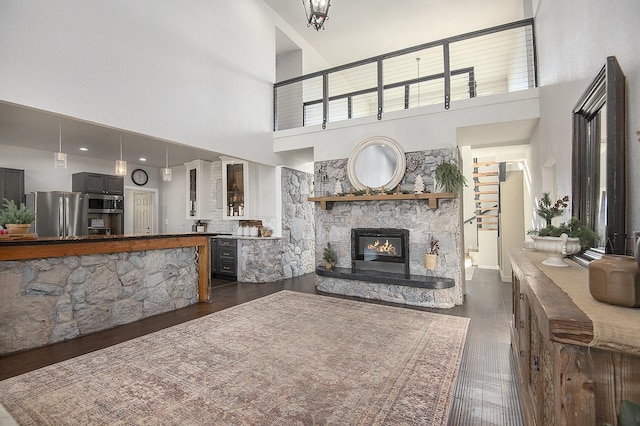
(607, 88)
(401, 162)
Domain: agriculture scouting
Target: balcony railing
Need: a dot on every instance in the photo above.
(485, 62)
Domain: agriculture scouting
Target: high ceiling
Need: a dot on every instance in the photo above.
(359, 29)
(356, 29)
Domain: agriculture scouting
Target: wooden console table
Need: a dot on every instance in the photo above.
(565, 377)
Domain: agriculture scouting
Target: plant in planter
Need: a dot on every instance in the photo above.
(431, 258)
(450, 178)
(329, 256)
(563, 240)
(16, 220)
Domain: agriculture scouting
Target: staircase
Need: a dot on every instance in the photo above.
(486, 185)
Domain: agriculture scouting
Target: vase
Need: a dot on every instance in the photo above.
(18, 228)
(430, 261)
(328, 265)
(614, 279)
(556, 248)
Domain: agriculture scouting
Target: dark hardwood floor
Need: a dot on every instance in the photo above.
(485, 393)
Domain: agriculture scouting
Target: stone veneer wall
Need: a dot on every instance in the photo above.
(443, 223)
(263, 260)
(260, 260)
(298, 236)
(50, 300)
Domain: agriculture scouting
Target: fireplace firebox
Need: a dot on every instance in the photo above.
(380, 249)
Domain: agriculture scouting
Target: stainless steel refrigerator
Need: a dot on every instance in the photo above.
(59, 213)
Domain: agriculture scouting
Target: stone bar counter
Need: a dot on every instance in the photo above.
(55, 289)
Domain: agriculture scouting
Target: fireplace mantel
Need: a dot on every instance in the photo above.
(431, 197)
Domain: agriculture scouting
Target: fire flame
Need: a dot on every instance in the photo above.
(384, 248)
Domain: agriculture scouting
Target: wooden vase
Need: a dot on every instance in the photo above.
(18, 228)
(328, 265)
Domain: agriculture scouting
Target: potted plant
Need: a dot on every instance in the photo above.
(449, 177)
(16, 220)
(431, 258)
(562, 240)
(329, 256)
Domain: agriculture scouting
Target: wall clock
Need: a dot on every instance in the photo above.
(139, 177)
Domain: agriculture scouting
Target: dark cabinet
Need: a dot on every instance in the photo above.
(96, 183)
(225, 257)
(12, 185)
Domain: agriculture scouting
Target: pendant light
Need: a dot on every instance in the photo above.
(121, 165)
(60, 158)
(166, 172)
(317, 12)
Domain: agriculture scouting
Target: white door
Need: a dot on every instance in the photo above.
(142, 212)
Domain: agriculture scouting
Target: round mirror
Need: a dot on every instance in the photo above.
(376, 163)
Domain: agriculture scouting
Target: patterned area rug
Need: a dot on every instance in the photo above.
(288, 358)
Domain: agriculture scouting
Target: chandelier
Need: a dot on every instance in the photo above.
(317, 12)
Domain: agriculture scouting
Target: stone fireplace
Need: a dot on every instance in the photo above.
(443, 223)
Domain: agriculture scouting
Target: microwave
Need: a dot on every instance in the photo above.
(100, 203)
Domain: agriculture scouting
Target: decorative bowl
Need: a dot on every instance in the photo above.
(556, 248)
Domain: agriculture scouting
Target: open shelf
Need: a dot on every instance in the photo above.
(431, 197)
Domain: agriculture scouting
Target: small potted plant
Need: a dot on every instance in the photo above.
(431, 258)
(16, 220)
(449, 177)
(329, 256)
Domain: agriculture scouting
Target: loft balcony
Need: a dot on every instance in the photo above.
(487, 62)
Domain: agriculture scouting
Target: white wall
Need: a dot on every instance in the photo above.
(40, 174)
(194, 72)
(574, 38)
(418, 129)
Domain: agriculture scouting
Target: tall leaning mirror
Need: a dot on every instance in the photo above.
(376, 163)
(599, 164)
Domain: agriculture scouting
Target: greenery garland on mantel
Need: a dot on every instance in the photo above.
(380, 195)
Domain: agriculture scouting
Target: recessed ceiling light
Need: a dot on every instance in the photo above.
(143, 159)
(82, 148)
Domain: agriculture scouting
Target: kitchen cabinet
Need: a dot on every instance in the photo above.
(12, 185)
(235, 186)
(239, 188)
(226, 257)
(97, 183)
(198, 190)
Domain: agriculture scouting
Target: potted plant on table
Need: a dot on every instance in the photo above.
(563, 240)
(329, 256)
(449, 177)
(16, 220)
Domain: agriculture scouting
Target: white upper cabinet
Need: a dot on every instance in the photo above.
(238, 189)
(198, 190)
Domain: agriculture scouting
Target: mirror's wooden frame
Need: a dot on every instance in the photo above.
(608, 88)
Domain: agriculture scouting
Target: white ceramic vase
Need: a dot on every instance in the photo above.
(556, 248)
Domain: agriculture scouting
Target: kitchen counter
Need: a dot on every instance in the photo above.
(55, 289)
(49, 247)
